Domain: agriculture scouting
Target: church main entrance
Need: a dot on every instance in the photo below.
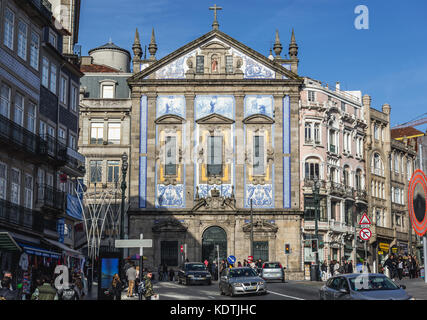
(212, 237)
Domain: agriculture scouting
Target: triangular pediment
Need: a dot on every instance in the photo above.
(258, 119)
(170, 119)
(176, 64)
(215, 119)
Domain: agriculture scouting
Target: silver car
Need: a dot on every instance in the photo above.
(237, 281)
(272, 271)
(361, 286)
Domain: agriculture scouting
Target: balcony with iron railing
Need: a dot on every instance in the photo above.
(51, 198)
(20, 217)
(361, 195)
(16, 138)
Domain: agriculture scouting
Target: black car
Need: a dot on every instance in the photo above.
(194, 272)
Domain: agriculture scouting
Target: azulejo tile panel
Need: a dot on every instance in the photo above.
(261, 195)
(210, 104)
(287, 182)
(142, 182)
(176, 69)
(143, 125)
(225, 190)
(286, 125)
(259, 104)
(170, 105)
(253, 69)
(170, 196)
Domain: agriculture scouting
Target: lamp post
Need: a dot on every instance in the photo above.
(123, 187)
(316, 191)
(252, 231)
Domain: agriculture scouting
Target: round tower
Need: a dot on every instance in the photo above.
(111, 55)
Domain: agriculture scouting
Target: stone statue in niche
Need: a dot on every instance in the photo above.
(214, 64)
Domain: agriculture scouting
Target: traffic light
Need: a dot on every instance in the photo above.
(287, 248)
(314, 245)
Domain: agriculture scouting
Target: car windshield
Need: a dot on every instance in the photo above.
(272, 265)
(366, 282)
(195, 267)
(247, 272)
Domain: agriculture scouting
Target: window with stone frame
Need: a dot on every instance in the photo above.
(95, 171)
(346, 175)
(3, 180)
(5, 100)
(358, 177)
(28, 194)
(31, 117)
(311, 96)
(215, 147)
(114, 129)
(22, 39)
(113, 171)
(9, 27)
(170, 156)
(200, 64)
(34, 50)
(97, 133)
(15, 193)
(312, 169)
(307, 132)
(258, 159)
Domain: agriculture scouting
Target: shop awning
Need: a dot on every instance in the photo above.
(67, 250)
(39, 251)
(7, 243)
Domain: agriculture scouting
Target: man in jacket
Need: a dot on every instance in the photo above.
(45, 291)
(6, 291)
(131, 275)
(350, 267)
(149, 292)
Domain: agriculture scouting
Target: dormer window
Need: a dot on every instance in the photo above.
(108, 89)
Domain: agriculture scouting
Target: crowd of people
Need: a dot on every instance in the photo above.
(44, 288)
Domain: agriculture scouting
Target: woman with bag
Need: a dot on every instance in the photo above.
(116, 287)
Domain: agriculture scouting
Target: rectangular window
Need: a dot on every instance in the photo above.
(95, 171)
(311, 171)
(200, 64)
(214, 166)
(9, 22)
(97, 133)
(229, 64)
(114, 133)
(40, 183)
(317, 133)
(72, 142)
(258, 155)
(15, 186)
(31, 117)
(332, 146)
(260, 250)
(342, 106)
(42, 129)
(34, 50)
(3, 180)
(28, 200)
(74, 98)
(170, 156)
(63, 90)
(53, 71)
(62, 136)
(5, 101)
(45, 72)
(376, 132)
(18, 115)
(51, 131)
(108, 91)
(307, 130)
(52, 38)
(169, 253)
(113, 168)
(22, 40)
(311, 96)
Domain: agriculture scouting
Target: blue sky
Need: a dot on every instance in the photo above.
(387, 61)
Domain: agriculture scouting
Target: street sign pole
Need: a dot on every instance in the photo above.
(141, 259)
(425, 256)
(217, 262)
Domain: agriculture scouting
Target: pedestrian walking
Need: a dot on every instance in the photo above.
(148, 286)
(131, 276)
(206, 262)
(116, 288)
(165, 272)
(171, 274)
(336, 268)
(45, 291)
(6, 291)
(245, 262)
(239, 264)
(350, 266)
(400, 268)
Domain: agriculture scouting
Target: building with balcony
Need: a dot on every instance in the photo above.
(332, 134)
(39, 161)
(389, 167)
(105, 107)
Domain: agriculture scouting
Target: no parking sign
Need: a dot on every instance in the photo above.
(417, 195)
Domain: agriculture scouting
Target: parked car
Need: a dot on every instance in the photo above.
(194, 272)
(372, 286)
(272, 271)
(236, 281)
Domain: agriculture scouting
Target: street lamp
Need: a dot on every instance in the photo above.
(123, 187)
(316, 191)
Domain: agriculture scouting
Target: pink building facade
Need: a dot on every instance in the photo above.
(332, 134)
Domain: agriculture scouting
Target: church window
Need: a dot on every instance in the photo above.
(170, 156)
(200, 64)
(214, 166)
(258, 155)
(229, 64)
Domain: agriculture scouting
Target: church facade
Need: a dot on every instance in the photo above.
(214, 132)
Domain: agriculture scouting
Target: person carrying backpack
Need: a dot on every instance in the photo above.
(148, 286)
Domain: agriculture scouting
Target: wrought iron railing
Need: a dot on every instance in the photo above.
(20, 216)
(51, 197)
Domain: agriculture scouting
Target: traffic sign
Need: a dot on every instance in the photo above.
(130, 243)
(417, 206)
(231, 259)
(364, 219)
(365, 234)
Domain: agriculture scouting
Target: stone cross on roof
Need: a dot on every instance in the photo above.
(215, 24)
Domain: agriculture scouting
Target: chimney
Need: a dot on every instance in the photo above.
(86, 61)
